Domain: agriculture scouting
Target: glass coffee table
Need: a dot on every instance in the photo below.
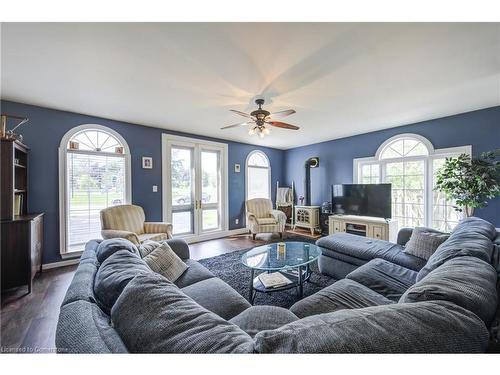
(293, 263)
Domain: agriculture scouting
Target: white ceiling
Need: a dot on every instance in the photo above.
(341, 78)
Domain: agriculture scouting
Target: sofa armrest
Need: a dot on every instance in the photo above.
(158, 227)
(115, 233)
(280, 216)
(251, 217)
(179, 246)
(404, 235)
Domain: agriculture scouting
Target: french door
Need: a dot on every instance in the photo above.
(194, 180)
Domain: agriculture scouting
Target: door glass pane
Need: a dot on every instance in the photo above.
(210, 219)
(94, 182)
(182, 222)
(182, 190)
(210, 176)
(181, 176)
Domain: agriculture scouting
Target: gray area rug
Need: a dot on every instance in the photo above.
(229, 268)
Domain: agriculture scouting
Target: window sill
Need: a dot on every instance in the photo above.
(72, 255)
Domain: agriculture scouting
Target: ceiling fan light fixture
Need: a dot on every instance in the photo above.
(262, 119)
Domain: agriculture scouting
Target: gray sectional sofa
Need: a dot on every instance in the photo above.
(449, 304)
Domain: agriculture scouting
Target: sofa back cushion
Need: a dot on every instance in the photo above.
(113, 276)
(124, 217)
(108, 247)
(424, 327)
(471, 237)
(152, 315)
(466, 281)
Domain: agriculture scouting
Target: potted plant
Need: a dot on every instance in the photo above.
(470, 182)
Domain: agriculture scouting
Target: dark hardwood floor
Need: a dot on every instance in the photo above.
(28, 321)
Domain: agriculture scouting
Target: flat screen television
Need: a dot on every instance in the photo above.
(362, 199)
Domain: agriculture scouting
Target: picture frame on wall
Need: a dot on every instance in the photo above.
(147, 162)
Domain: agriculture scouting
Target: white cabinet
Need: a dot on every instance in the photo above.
(307, 217)
(372, 227)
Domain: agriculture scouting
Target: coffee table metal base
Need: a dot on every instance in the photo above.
(304, 273)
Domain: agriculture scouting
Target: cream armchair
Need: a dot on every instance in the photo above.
(128, 221)
(261, 218)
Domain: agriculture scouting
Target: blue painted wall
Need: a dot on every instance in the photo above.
(481, 129)
(43, 134)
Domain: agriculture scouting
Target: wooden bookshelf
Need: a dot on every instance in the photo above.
(22, 232)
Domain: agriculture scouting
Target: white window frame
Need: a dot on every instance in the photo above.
(63, 200)
(167, 141)
(255, 166)
(428, 160)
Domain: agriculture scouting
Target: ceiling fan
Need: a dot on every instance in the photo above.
(260, 119)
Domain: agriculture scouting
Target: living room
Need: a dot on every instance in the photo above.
(263, 187)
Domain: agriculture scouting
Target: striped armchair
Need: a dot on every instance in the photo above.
(261, 218)
(128, 221)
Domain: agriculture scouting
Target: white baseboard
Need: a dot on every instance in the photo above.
(213, 236)
(234, 232)
(62, 263)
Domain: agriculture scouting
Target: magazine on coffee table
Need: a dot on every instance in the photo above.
(274, 280)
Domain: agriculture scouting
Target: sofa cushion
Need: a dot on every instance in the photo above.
(343, 294)
(426, 327)
(261, 318)
(152, 237)
(195, 273)
(367, 249)
(424, 242)
(266, 221)
(152, 315)
(108, 247)
(466, 281)
(114, 274)
(84, 328)
(386, 278)
(471, 237)
(217, 296)
(164, 261)
(477, 226)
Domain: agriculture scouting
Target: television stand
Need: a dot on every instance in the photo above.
(366, 226)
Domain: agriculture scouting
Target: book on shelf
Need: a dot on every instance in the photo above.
(274, 280)
(18, 204)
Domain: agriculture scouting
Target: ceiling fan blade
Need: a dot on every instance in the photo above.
(236, 125)
(241, 113)
(283, 125)
(284, 113)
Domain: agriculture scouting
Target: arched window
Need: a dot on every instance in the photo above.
(409, 162)
(258, 175)
(94, 173)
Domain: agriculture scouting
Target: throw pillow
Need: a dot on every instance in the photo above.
(424, 242)
(147, 247)
(164, 261)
